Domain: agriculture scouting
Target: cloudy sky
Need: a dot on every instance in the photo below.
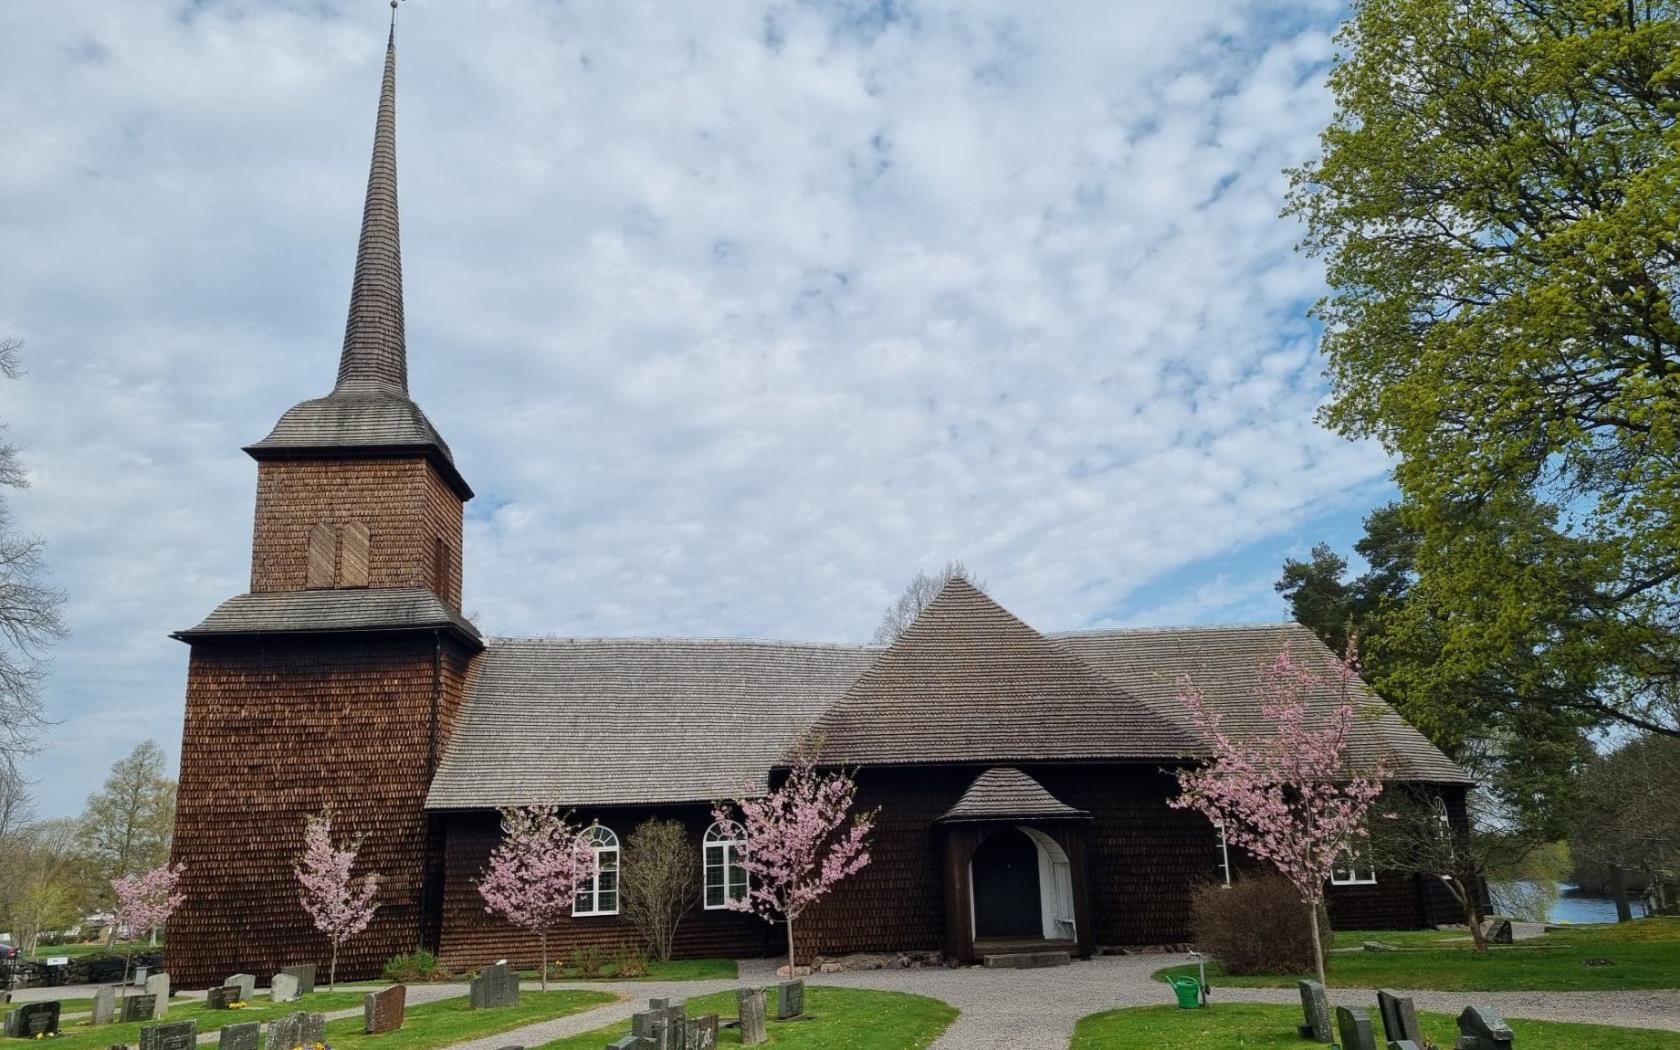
(735, 314)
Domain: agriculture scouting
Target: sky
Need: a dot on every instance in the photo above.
(735, 315)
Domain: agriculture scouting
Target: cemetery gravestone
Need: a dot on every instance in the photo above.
(104, 1005)
(285, 1032)
(1354, 1029)
(383, 1011)
(157, 986)
(305, 974)
(702, 1033)
(790, 1000)
(239, 1036)
(176, 1035)
(750, 1001)
(36, 1019)
(9, 1027)
(246, 983)
(1481, 1028)
(1405, 1044)
(494, 986)
(1399, 1019)
(1315, 1013)
(629, 1042)
(313, 1026)
(222, 998)
(138, 1008)
(282, 988)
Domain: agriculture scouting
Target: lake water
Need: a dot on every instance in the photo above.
(1572, 906)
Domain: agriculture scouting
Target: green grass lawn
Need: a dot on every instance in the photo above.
(1253, 1027)
(675, 970)
(79, 1035)
(841, 1019)
(450, 1021)
(1643, 954)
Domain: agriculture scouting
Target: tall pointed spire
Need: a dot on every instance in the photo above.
(375, 350)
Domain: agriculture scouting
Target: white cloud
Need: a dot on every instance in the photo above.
(735, 315)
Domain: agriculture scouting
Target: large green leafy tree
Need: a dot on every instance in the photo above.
(1498, 205)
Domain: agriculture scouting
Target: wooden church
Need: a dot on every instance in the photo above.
(1022, 778)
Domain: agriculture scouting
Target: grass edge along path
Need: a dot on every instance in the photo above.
(79, 1035)
(841, 1019)
(1254, 1026)
(1632, 956)
(675, 970)
(446, 1022)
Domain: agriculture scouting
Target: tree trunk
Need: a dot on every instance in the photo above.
(542, 937)
(1318, 940)
(790, 947)
(332, 968)
(1619, 890)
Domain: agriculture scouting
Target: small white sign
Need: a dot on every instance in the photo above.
(58, 960)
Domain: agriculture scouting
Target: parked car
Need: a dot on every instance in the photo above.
(8, 951)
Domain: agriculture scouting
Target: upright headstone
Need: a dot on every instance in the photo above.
(751, 1004)
(286, 1032)
(1354, 1029)
(8, 1028)
(36, 1020)
(1399, 1019)
(240, 1036)
(1405, 1044)
(313, 1026)
(382, 1011)
(246, 983)
(790, 1000)
(138, 1008)
(702, 1032)
(305, 974)
(282, 988)
(222, 998)
(174, 1035)
(104, 1005)
(1315, 1013)
(1481, 1028)
(494, 986)
(140, 975)
(157, 986)
(1502, 933)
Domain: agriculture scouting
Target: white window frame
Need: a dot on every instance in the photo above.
(720, 850)
(1352, 869)
(1224, 856)
(605, 846)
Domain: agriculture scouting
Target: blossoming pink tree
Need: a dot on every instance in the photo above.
(1289, 796)
(144, 903)
(340, 905)
(801, 841)
(535, 873)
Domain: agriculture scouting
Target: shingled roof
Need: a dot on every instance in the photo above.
(369, 411)
(968, 682)
(1227, 664)
(318, 612)
(1009, 794)
(622, 721)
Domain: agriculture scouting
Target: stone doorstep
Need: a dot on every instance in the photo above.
(1025, 960)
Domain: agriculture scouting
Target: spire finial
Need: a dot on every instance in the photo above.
(375, 349)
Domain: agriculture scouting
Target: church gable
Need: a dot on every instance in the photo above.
(968, 682)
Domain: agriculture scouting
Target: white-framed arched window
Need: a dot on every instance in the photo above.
(725, 879)
(599, 896)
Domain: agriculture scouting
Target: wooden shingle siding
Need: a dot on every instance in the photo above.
(353, 555)
(322, 556)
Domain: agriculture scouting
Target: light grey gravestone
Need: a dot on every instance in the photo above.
(1482, 1028)
(282, 988)
(1315, 1013)
(382, 1011)
(222, 998)
(104, 1005)
(36, 1019)
(9, 1028)
(157, 986)
(284, 1033)
(494, 986)
(1399, 1019)
(138, 1008)
(790, 1000)
(1354, 1028)
(245, 982)
(751, 1004)
(239, 1036)
(305, 974)
(702, 1032)
(173, 1035)
(313, 1026)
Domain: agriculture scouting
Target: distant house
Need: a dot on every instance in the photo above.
(1022, 778)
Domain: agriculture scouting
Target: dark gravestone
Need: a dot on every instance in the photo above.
(790, 1000)
(36, 1019)
(1399, 1019)
(104, 1005)
(1315, 1013)
(1481, 1028)
(1502, 932)
(1354, 1028)
(175, 1035)
(750, 1002)
(494, 986)
(245, 982)
(703, 1033)
(383, 1011)
(305, 974)
(138, 1008)
(222, 998)
(239, 1036)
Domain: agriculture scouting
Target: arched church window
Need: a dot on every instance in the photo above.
(599, 896)
(353, 555)
(725, 880)
(322, 565)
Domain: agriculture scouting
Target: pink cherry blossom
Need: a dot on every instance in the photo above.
(340, 906)
(145, 902)
(535, 873)
(1289, 796)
